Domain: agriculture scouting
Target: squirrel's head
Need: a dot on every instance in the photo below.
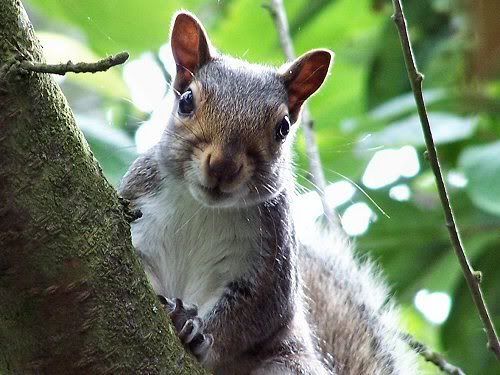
(230, 134)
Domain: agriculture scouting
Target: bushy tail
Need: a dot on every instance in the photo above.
(355, 323)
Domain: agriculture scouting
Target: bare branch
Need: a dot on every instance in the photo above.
(278, 14)
(81, 67)
(433, 357)
(471, 276)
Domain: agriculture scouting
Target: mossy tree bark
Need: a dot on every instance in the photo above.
(73, 296)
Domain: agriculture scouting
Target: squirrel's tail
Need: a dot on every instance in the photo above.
(355, 323)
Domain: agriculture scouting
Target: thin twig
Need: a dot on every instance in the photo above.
(472, 277)
(433, 357)
(81, 67)
(161, 65)
(278, 14)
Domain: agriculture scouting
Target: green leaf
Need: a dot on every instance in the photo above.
(446, 128)
(445, 273)
(413, 245)
(388, 77)
(247, 32)
(481, 166)
(392, 110)
(404, 256)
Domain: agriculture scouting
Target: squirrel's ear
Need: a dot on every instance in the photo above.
(304, 76)
(190, 48)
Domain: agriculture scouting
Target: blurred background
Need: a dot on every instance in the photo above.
(366, 123)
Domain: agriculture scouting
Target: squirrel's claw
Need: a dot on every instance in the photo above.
(189, 326)
(166, 302)
(200, 345)
(178, 312)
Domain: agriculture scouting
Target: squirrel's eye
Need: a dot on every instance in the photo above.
(283, 129)
(186, 103)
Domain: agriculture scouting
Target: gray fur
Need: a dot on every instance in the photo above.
(239, 260)
(253, 324)
(353, 317)
(141, 179)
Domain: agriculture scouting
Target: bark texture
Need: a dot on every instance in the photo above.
(73, 296)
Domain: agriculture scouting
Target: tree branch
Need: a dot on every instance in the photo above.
(81, 67)
(433, 357)
(277, 11)
(471, 276)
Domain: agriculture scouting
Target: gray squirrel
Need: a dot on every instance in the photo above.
(217, 239)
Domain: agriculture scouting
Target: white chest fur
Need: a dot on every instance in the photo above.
(194, 251)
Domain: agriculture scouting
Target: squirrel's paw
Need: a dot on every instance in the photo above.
(189, 326)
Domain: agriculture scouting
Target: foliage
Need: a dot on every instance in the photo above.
(365, 107)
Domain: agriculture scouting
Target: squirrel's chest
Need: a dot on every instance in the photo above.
(193, 252)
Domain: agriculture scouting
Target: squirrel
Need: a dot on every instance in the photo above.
(217, 239)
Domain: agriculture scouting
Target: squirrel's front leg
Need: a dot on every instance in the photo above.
(242, 322)
(189, 326)
(232, 326)
(190, 329)
(197, 333)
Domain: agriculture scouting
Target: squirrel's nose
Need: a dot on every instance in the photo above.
(224, 169)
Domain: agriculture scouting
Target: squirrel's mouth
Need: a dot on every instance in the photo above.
(213, 197)
(215, 192)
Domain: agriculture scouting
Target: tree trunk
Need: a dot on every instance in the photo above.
(73, 296)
